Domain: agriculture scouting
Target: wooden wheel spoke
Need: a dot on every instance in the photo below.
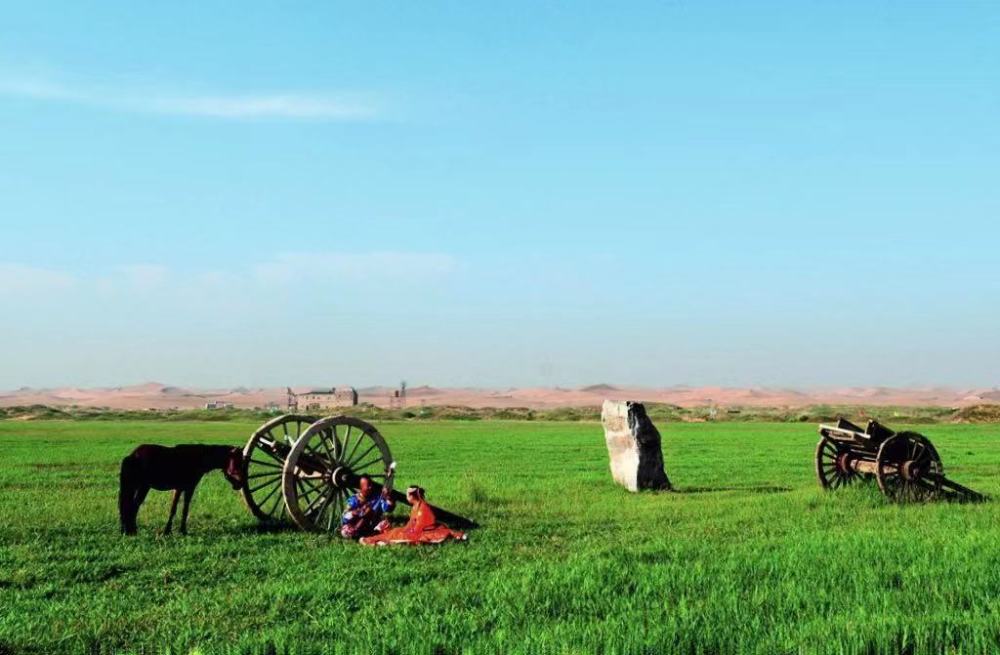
(268, 496)
(330, 516)
(307, 496)
(354, 449)
(892, 477)
(263, 484)
(346, 445)
(263, 463)
(338, 447)
(270, 452)
(333, 505)
(309, 485)
(353, 460)
(316, 457)
(270, 474)
(278, 506)
(321, 499)
(336, 511)
(362, 467)
(326, 446)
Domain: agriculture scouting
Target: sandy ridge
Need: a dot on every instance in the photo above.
(154, 395)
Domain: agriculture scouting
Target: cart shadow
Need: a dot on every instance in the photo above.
(759, 489)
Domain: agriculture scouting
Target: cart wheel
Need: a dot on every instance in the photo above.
(263, 459)
(909, 468)
(323, 468)
(832, 468)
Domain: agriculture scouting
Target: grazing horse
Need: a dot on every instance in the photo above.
(179, 469)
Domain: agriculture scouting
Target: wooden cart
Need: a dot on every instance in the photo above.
(906, 465)
(305, 468)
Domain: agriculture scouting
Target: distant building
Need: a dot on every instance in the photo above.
(327, 398)
(218, 404)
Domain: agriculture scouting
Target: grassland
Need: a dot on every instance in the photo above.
(748, 557)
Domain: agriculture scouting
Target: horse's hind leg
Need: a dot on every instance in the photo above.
(187, 505)
(173, 510)
(137, 500)
(140, 496)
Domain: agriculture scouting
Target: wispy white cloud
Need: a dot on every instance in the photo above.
(303, 106)
(264, 106)
(18, 278)
(143, 277)
(321, 269)
(291, 266)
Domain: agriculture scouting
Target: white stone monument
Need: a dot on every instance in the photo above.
(633, 446)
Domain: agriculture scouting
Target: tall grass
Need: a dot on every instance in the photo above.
(748, 556)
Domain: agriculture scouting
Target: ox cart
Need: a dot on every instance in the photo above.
(905, 465)
(305, 468)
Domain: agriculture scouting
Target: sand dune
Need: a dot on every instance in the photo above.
(155, 395)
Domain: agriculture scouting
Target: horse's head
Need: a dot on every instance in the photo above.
(233, 470)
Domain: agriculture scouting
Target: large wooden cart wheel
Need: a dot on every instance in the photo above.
(833, 466)
(909, 468)
(263, 461)
(323, 468)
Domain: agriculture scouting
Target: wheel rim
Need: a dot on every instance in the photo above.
(263, 463)
(909, 468)
(832, 468)
(322, 470)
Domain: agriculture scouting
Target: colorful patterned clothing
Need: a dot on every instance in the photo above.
(365, 516)
(422, 528)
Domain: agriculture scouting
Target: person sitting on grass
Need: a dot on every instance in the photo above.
(422, 528)
(366, 512)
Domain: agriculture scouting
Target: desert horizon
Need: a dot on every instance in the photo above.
(160, 396)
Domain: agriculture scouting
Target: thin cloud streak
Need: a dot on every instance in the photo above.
(322, 107)
(323, 268)
(20, 278)
(288, 267)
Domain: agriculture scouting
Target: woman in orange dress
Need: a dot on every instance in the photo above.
(422, 528)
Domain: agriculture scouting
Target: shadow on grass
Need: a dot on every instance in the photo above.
(759, 489)
(269, 528)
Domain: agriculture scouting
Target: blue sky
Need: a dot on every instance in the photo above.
(492, 194)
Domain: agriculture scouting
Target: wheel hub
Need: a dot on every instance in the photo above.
(339, 476)
(911, 470)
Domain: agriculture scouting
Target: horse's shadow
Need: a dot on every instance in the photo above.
(268, 527)
(759, 489)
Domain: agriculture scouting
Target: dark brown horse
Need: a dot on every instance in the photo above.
(179, 469)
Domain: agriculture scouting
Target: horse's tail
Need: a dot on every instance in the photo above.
(127, 484)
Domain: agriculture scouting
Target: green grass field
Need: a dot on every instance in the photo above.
(750, 556)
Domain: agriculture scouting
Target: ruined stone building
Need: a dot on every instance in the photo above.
(327, 398)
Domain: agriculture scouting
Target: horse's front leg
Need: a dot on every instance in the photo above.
(173, 510)
(187, 505)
